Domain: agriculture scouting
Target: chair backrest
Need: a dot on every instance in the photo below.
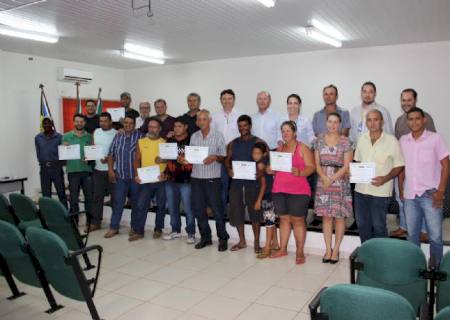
(58, 221)
(444, 314)
(354, 302)
(443, 287)
(52, 254)
(394, 265)
(13, 250)
(5, 213)
(24, 207)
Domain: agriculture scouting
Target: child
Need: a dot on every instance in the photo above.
(264, 201)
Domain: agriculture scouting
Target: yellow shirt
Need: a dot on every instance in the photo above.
(386, 154)
(149, 151)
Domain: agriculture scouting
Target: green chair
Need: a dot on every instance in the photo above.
(5, 210)
(26, 211)
(17, 261)
(444, 314)
(443, 284)
(355, 302)
(63, 268)
(394, 265)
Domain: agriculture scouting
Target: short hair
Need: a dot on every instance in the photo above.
(47, 118)
(375, 111)
(410, 90)
(204, 111)
(267, 93)
(160, 101)
(107, 115)
(245, 118)
(261, 146)
(335, 114)
(145, 102)
(332, 86)
(125, 95)
(90, 100)
(79, 115)
(130, 117)
(227, 91)
(369, 83)
(415, 109)
(156, 119)
(196, 95)
(295, 96)
(181, 120)
(290, 124)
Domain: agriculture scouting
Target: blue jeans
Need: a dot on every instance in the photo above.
(401, 212)
(122, 188)
(370, 213)
(175, 193)
(146, 194)
(417, 209)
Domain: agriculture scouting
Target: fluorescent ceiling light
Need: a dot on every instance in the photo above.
(318, 36)
(143, 51)
(268, 3)
(22, 23)
(130, 55)
(327, 29)
(27, 35)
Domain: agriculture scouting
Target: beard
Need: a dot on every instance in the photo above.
(152, 135)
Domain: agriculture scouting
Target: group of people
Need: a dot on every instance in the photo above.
(409, 157)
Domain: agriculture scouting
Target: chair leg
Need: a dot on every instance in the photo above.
(10, 280)
(85, 289)
(88, 263)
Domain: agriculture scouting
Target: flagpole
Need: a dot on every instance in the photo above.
(79, 108)
(99, 100)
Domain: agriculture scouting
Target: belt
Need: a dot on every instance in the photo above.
(51, 164)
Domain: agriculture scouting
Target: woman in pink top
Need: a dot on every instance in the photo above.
(291, 192)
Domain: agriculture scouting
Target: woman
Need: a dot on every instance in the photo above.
(333, 201)
(291, 191)
(305, 131)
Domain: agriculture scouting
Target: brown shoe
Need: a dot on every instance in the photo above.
(131, 233)
(111, 233)
(423, 237)
(157, 234)
(135, 236)
(399, 233)
(94, 227)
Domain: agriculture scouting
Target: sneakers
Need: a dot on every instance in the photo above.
(190, 239)
(172, 236)
(111, 233)
(157, 234)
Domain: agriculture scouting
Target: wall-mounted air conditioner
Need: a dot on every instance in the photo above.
(73, 75)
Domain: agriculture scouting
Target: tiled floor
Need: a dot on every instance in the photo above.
(157, 279)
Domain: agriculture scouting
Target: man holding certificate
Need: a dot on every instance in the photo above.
(206, 183)
(149, 172)
(244, 188)
(381, 152)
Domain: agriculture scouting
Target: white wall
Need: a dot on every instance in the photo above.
(424, 67)
(20, 106)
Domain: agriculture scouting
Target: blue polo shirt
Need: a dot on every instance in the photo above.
(47, 146)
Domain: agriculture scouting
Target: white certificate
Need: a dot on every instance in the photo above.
(116, 113)
(195, 154)
(362, 172)
(281, 161)
(71, 152)
(149, 174)
(168, 151)
(94, 152)
(245, 170)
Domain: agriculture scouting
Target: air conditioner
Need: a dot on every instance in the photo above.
(73, 75)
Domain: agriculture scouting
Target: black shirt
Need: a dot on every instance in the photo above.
(167, 126)
(92, 123)
(177, 172)
(191, 122)
(128, 113)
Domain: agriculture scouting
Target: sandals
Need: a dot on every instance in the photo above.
(238, 246)
(300, 260)
(278, 254)
(263, 255)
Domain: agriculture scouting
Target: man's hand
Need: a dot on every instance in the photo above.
(438, 199)
(158, 160)
(182, 159)
(104, 160)
(258, 205)
(170, 134)
(210, 159)
(162, 177)
(231, 173)
(112, 176)
(379, 181)
(137, 179)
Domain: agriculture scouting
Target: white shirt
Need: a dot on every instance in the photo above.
(358, 120)
(267, 127)
(104, 139)
(305, 132)
(226, 123)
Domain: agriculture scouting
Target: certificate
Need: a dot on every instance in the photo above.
(71, 152)
(168, 151)
(149, 174)
(195, 154)
(94, 152)
(281, 161)
(362, 172)
(116, 113)
(245, 170)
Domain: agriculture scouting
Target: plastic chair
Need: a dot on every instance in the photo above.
(26, 211)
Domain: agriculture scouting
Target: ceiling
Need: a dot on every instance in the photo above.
(92, 31)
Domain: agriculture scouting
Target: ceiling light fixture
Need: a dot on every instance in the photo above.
(22, 23)
(130, 55)
(138, 52)
(29, 36)
(327, 29)
(268, 3)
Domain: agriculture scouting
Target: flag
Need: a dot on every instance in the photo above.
(45, 110)
(79, 109)
(99, 102)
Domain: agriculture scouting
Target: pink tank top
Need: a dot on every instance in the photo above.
(286, 182)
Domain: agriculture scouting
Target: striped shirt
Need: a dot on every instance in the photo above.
(123, 150)
(216, 146)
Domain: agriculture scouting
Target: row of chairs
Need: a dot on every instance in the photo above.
(389, 280)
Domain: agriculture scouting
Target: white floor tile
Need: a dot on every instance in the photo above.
(204, 282)
(149, 311)
(262, 312)
(285, 298)
(170, 274)
(243, 290)
(139, 268)
(111, 305)
(143, 289)
(217, 307)
(179, 298)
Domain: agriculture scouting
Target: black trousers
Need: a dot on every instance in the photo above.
(102, 187)
(77, 181)
(52, 174)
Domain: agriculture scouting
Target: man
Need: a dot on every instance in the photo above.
(47, 143)
(319, 122)
(206, 183)
(424, 181)
(92, 118)
(408, 100)
(372, 199)
(166, 120)
(178, 185)
(125, 102)
(358, 114)
(79, 171)
(147, 154)
(144, 113)
(190, 117)
(103, 137)
(243, 193)
(266, 123)
(121, 173)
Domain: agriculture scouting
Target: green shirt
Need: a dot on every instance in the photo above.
(85, 140)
